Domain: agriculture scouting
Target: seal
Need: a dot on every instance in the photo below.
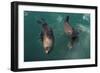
(47, 36)
(71, 32)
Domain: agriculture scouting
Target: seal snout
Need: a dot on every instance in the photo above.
(47, 50)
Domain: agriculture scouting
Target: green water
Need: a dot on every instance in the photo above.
(33, 49)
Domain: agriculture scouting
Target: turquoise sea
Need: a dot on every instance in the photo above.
(33, 49)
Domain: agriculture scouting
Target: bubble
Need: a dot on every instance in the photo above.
(86, 17)
(59, 18)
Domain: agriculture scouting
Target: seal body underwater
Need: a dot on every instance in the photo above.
(47, 37)
(71, 32)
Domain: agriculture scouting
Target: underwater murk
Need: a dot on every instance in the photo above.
(34, 49)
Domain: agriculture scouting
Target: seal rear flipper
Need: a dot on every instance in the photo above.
(70, 45)
(67, 19)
